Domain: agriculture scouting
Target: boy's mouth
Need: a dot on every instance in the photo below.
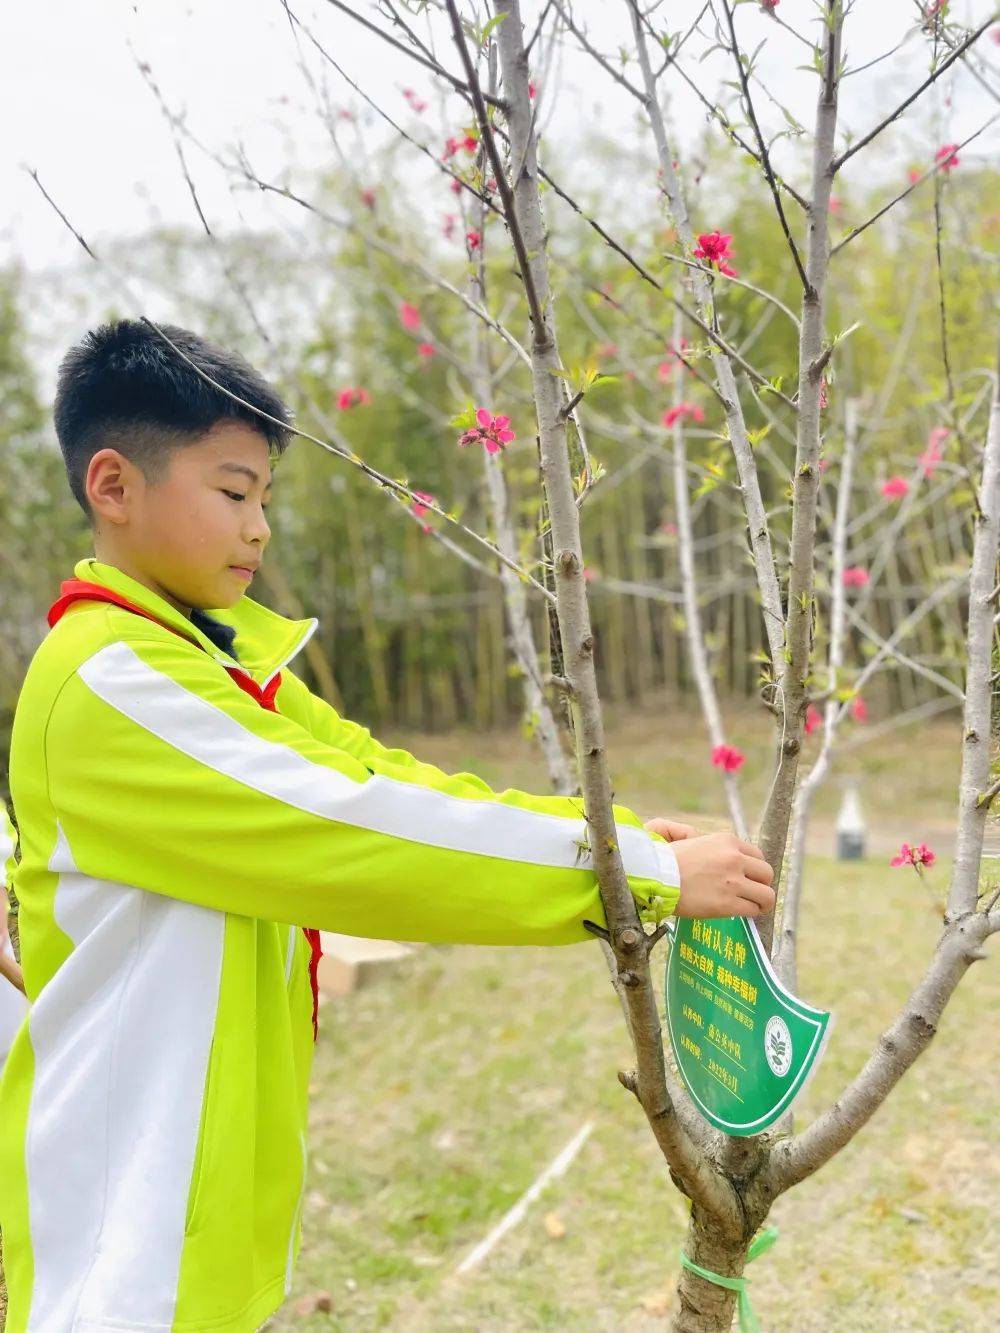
(247, 571)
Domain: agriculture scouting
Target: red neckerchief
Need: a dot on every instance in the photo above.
(76, 590)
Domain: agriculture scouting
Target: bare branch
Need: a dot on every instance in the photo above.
(760, 538)
(795, 660)
(793, 1160)
(931, 171)
(422, 148)
(421, 59)
(765, 157)
(716, 111)
(976, 721)
(932, 78)
(694, 632)
(55, 207)
(785, 961)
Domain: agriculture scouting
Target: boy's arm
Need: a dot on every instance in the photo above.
(326, 724)
(165, 775)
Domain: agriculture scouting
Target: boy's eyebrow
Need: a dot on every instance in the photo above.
(247, 471)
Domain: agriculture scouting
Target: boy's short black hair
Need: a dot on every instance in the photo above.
(122, 387)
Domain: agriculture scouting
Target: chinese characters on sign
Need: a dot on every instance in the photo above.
(744, 1044)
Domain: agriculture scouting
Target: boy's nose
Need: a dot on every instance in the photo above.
(260, 531)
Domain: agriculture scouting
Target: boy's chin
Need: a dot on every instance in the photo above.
(226, 598)
(226, 593)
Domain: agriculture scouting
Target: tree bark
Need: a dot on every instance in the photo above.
(705, 1307)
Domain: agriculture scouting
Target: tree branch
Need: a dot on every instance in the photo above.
(976, 728)
(765, 157)
(576, 635)
(793, 1160)
(946, 64)
(795, 660)
(435, 68)
(760, 538)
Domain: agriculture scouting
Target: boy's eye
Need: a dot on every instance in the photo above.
(234, 495)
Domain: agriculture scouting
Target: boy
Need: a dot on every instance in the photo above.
(187, 810)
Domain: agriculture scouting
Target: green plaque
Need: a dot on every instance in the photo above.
(744, 1044)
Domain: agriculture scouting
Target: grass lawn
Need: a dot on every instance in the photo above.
(442, 1092)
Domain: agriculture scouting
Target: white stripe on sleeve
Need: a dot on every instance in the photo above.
(207, 734)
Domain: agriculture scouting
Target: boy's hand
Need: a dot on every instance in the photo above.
(671, 829)
(721, 875)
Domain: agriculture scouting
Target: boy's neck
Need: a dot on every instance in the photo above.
(146, 580)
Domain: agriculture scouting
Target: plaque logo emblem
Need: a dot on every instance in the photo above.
(778, 1045)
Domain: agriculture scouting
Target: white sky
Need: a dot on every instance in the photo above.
(74, 106)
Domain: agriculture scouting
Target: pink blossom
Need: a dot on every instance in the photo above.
(532, 89)
(824, 463)
(931, 456)
(409, 316)
(714, 248)
(590, 574)
(947, 156)
(425, 351)
(606, 351)
(348, 398)
(895, 488)
(769, 6)
(835, 205)
(414, 101)
(813, 719)
(995, 36)
(345, 113)
(855, 576)
(913, 175)
(451, 146)
(368, 198)
(689, 410)
(473, 239)
(859, 709)
(669, 528)
(418, 509)
(728, 758)
(448, 227)
(489, 431)
(456, 186)
(914, 856)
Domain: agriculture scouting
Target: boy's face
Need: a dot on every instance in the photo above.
(195, 536)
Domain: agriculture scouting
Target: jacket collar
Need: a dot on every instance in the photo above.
(265, 641)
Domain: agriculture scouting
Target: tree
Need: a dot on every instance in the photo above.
(733, 1183)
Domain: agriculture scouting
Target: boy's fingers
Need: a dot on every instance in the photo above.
(759, 894)
(751, 849)
(759, 871)
(744, 907)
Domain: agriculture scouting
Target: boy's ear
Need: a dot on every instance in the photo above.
(110, 477)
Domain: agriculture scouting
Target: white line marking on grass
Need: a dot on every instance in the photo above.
(510, 1219)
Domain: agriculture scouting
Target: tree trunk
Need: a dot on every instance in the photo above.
(705, 1307)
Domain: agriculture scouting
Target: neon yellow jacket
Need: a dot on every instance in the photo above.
(175, 836)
